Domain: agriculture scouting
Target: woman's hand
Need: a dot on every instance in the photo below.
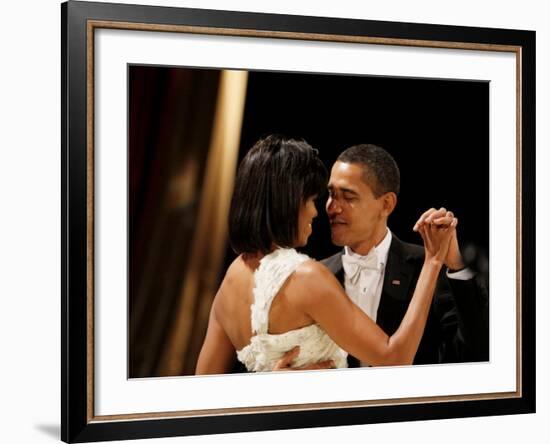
(437, 235)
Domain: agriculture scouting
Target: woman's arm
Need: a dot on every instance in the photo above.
(217, 355)
(323, 299)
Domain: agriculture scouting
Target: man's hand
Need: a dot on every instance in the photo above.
(443, 218)
(285, 363)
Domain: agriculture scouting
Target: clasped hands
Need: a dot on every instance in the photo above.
(441, 219)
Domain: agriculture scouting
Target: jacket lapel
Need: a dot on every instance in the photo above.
(334, 264)
(396, 291)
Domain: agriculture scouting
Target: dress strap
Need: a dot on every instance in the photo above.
(269, 277)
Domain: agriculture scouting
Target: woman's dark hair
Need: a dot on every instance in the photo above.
(273, 180)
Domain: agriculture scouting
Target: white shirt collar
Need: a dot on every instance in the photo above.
(381, 250)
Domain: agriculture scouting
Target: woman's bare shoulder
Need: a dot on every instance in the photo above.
(234, 277)
(313, 279)
(239, 269)
(311, 269)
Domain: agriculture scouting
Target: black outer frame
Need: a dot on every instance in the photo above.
(74, 424)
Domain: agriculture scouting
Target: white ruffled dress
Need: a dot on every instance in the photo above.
(265, 349)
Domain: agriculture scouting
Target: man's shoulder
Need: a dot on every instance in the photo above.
(334, 262)
(406, 249)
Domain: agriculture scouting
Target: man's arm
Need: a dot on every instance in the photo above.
(285, 363)
(461, 303)
(472, 306)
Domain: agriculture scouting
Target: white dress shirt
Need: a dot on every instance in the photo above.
(365, 289)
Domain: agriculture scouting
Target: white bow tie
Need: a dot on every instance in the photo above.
(353, 265)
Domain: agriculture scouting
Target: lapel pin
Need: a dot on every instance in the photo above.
(396, 282)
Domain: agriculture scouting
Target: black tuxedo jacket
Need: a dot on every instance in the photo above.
(457, 329)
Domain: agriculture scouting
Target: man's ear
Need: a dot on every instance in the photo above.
(389, 201)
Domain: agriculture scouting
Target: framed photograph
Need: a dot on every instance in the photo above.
(159, 107)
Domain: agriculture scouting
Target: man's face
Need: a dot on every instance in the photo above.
(356, 217)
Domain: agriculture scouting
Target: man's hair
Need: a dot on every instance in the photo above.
(380, 171)
(274, 179)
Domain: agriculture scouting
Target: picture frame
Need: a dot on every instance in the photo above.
(80, 22)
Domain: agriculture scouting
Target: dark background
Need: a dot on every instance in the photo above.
(437, 131)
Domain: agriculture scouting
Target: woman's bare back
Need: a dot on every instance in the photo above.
(235, 297)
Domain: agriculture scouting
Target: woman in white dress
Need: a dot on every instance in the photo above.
(273, 298)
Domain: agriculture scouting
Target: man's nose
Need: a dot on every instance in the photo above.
(332, 206)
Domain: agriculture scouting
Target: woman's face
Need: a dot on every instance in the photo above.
(307, 213)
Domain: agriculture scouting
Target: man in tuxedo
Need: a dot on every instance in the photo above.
(379, 272)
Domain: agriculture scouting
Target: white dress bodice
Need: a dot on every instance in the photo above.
(266, 349)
